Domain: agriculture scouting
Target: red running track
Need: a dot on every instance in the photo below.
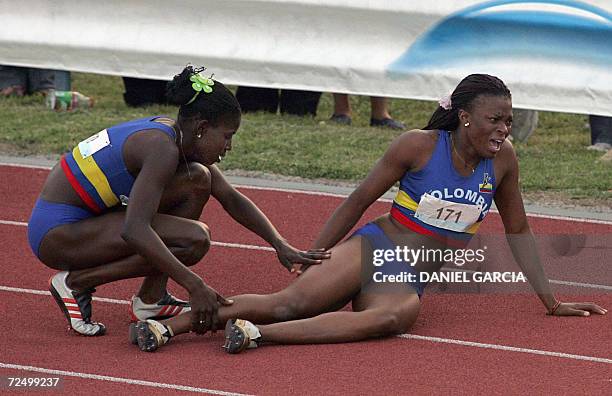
(35, 335)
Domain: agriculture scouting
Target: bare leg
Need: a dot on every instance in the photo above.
(95, 253)
(381, 314)
(337, 281)
(379, 107)
(377, 312)
(342, 106)
(182, 200)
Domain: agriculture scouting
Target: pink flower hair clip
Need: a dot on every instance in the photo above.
(445, 102)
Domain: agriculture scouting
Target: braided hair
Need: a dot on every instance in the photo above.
(463, 97)
(218, 105)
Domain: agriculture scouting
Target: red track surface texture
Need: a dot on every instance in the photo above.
(34, 332)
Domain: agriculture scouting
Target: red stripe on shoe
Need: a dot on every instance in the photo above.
(87, 199)
(163, 310)
(133, 316)
(132, 313)
(69, 300)
(76, 316)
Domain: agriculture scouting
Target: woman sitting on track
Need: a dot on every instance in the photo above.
(78, 225)
(462, 152)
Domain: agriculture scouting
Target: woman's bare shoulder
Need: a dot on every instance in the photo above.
(414, 148)
(421, 137)
(417, 141)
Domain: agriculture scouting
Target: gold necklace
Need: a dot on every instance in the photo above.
(459, 155)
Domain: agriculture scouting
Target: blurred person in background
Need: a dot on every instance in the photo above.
(379, 116)
(601, 133)
(289, 101)
(21, 81)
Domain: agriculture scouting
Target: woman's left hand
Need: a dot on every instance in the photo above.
(579, 309)
(289, 256)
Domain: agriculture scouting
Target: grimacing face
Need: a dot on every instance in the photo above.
(490, 124)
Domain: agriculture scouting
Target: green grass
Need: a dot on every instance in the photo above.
(554, 160)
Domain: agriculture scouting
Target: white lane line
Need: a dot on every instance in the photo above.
(270, 249)
(28, 291)
(555, 281)
(15, 223)
(286, 190)
(326, 194)
(41, 167)
(407, 336)
(222, 244)
(242, 246)
(47, 293)
(117, 379)
(564, 218)
(506, 348)
(305, 192)
(580, 284)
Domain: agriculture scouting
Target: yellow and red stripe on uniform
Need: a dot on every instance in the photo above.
(88, 181)
(403, 211)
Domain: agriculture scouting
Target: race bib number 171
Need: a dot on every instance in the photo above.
(445, 214)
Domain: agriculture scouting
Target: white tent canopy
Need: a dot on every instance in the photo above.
(554, 55)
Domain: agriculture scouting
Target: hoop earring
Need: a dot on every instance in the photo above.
(467, 124)
(199, 136)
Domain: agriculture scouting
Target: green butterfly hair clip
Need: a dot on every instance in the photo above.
(199, 84)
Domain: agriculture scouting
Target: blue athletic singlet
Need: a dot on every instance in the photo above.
(440, 180)
(95, 168)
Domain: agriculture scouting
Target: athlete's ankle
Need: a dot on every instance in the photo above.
(151, 293)
(262, 330)
(74, 281)
(167, 325)
(149, 298)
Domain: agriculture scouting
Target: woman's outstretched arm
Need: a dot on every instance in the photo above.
(522, 243)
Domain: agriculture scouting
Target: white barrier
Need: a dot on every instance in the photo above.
(554, 55)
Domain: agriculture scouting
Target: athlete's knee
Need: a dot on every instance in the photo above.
(390, 323)
(395, 321)
(195, 245)
(291, 306)
(200, 242)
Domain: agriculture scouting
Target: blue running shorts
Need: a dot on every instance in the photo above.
(378, 240)
(48, 215)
